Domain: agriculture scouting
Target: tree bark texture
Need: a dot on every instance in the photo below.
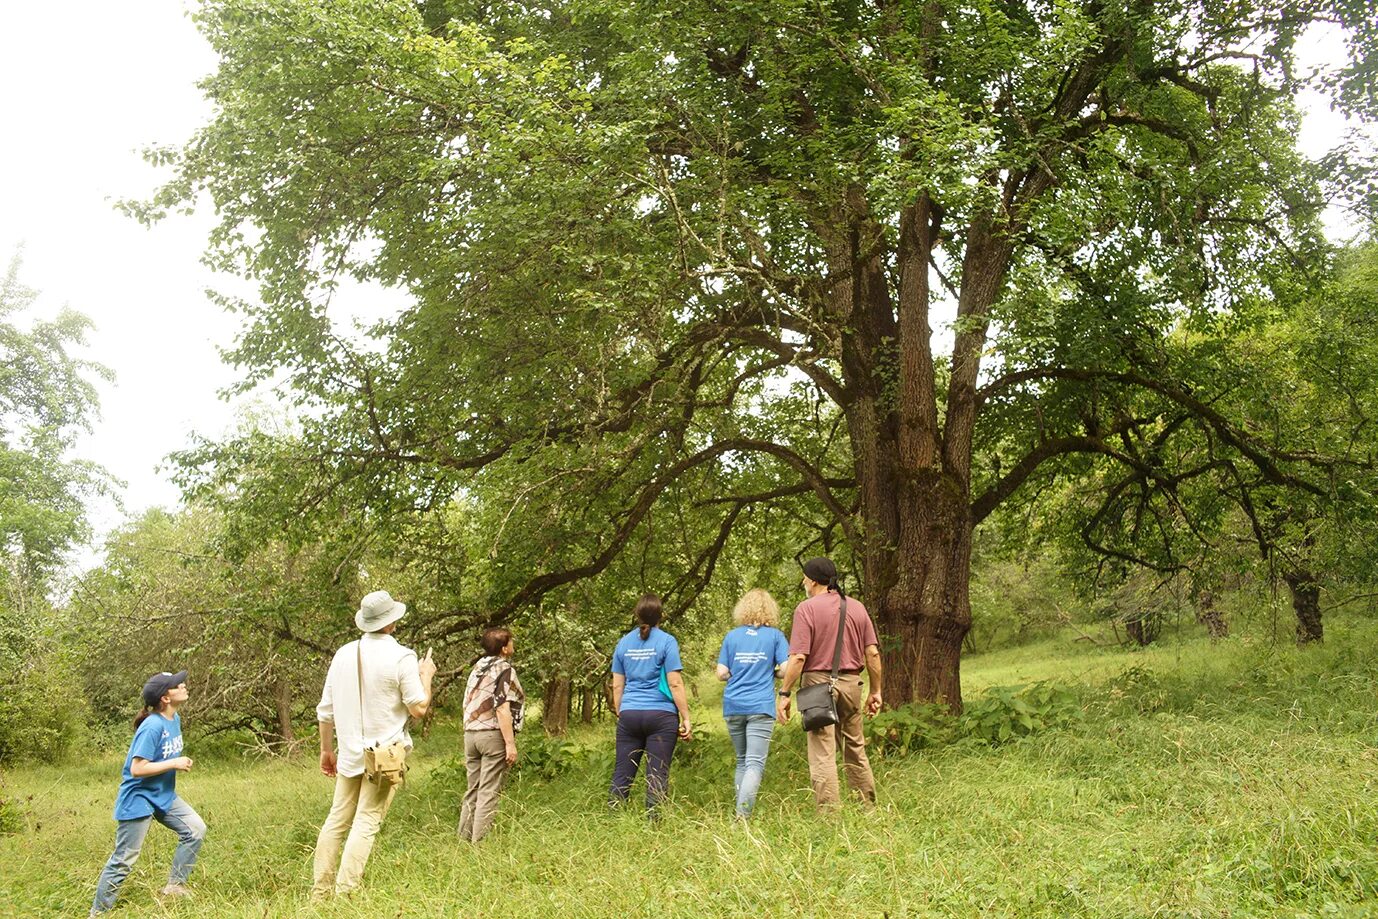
(1208, 615)
(586, 705)
(555, 706)
(926, 614)
(282, 697)
(1144, 629)
(1306, 603)
(913, 470)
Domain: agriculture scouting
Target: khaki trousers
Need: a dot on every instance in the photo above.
(355, 816)
(847, 733)
(485, 759)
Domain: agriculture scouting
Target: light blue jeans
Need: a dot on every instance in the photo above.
(129, 839)
(751, 738)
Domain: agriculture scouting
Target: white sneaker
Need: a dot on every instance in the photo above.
(175, 890)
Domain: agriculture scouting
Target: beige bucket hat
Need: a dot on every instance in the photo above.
(378, 610)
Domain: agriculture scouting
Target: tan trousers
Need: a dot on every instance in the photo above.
(848, 734)
(355, 816)
(485, 759)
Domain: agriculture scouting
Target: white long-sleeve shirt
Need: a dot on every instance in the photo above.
(392, 683)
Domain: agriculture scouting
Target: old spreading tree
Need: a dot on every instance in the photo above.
(668, 265)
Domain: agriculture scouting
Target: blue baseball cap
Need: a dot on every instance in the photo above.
(159, 684)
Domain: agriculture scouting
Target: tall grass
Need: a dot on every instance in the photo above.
(1226, 780)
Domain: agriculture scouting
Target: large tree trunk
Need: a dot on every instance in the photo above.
(586, 705)
(555, 706)
(1144, 628)
(925, 617)
(1306, 602)
(913, 477)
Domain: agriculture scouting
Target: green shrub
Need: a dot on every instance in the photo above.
(707, 744)
(1004, 713)
(909, 728)
(545, 757)
(538, 756)
(11, 817)
(999, 714)
(1140, 689)
(1018, 601)
(41, 717)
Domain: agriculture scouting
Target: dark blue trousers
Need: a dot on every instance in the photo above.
(651, 733)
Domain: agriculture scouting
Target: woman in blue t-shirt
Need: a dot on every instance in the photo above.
(648, 699)
(750, 657)
(148, 792)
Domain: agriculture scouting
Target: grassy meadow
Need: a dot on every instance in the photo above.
(1226, 780)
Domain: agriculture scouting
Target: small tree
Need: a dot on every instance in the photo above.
(47, 398)
(257, 630)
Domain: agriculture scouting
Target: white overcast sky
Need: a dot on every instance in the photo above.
(84, 86)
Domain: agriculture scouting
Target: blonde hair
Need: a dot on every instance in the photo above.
(756, 607)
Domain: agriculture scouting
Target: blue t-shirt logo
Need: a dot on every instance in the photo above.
(172, 746)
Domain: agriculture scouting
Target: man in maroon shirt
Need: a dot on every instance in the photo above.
(812, 644)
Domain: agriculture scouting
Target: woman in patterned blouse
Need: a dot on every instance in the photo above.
(493, 702)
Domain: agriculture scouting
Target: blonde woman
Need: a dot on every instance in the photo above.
(748, 662)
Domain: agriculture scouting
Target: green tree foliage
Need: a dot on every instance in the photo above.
(1182, 505)
(666, 267)
(46, 400)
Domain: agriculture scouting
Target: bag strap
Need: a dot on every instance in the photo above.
(841, 630)
(478, 683)
(359, 659)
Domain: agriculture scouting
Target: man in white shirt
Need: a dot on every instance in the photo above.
(373, 685)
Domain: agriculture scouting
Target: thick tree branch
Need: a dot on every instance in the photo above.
(1058, 446)
(540, 585)
(1261, 455)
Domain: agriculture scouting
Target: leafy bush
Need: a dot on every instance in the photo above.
(999, 714)
(547, 757)
(40, 716)
(707, 744)
(538, 756)
(1003, 713)
(910, 728)
(1139, 688)
(1018, 601)
(11, 820)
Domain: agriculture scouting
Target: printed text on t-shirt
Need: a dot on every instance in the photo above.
(171, 747)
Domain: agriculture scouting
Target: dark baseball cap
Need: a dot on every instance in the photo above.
(159, 684)
(821, 570)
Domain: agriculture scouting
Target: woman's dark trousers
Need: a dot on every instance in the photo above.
(651, 733)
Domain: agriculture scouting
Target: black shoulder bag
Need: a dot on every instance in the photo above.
(818, 703)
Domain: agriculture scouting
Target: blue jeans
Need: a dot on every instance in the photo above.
(129, 839)
(751, 739)
(654, 734)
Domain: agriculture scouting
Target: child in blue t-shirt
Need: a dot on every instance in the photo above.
(148, 791)
(750, 657)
